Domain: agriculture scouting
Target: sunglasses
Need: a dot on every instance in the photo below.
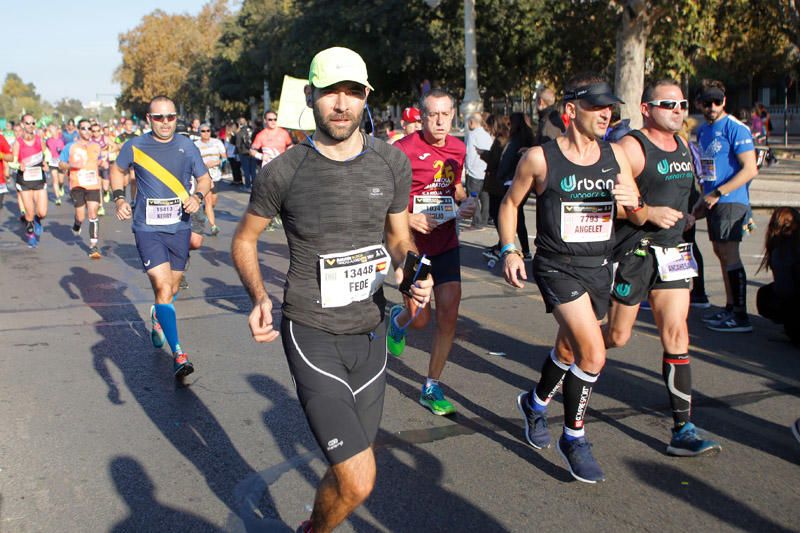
(158, 117)
(86, 129)
(716, 102)
(272, 119)
(29, 123)
(669, 104)
(205, 131)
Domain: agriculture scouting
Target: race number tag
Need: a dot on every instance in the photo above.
(87, 178)
(215, 173)
(163, 211)
(441, 208)
(583, 222)
(709, 169)
(32, 174)
(352, 276)
(3, 188)
(676, 263)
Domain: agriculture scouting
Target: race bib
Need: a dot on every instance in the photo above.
(352, 276)
(3, 188)
(441, 208)
(709, 169)
(676, 263)
(582, 222)
(163, 211)
(268, 154)
(32, 174)
(215, 173)
(87, 178)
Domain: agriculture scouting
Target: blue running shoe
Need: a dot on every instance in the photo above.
(433, 398)
(37, 228)
(156, 334)
(687, 443)
(33, 242)
(396, 336)
(536, 432)
(582, 465)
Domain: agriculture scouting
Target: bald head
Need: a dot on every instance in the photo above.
(547, 98)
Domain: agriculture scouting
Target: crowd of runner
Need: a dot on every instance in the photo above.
(614, 229)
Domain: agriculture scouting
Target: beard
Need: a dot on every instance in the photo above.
(337, 133)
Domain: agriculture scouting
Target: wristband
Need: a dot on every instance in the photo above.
(118, 194)
(200, 195)
(507, 247)
(638, 207)
(716, 193)
(509, 252)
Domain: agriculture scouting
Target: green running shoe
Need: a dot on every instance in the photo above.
(395, 335)
(156, 334)
(433, 398)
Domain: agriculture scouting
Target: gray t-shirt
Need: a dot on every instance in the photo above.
(331, 207)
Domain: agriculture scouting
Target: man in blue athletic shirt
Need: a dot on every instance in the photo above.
(164, 164)
(729, 165)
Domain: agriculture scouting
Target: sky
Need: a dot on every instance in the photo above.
(71, 49)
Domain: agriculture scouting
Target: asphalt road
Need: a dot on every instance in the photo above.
(96, 435)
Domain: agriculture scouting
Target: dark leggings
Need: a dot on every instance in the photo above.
(699, 285)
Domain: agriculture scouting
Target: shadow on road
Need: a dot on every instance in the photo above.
(145, 512)
(178, 413)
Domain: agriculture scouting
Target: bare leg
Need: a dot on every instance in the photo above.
(344, 487)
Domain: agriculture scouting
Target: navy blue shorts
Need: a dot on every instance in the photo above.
(156, 248)
(446, 267)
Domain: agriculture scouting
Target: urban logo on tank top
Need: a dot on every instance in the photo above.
(675, 170)
(586, 187)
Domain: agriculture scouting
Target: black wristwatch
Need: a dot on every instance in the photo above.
(716, 193)
(200, 195)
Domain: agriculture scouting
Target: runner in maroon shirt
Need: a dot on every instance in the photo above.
(437, 164)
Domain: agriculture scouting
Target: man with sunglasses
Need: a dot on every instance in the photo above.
(164, 164)
(729, 165)
(213, 152)
(661, 162)
(343, 198)
(270, 142)
(29, 153)
(581, 182)
(81, 160)
(99, 139)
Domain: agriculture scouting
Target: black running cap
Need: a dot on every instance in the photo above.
(595, 94)
(712, 93)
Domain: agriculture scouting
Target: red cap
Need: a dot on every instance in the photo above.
(411, 114)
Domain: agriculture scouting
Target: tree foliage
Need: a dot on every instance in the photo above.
(19, 97)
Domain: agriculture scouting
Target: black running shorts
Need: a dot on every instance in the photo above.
(726, 222)
(637, 275)
(80, 196)
(561, 283)
(340, 382)
(33, 185)
(446, 267)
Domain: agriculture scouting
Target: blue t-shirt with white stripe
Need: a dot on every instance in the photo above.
(724, 140)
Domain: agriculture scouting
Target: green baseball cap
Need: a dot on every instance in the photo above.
(337, 64)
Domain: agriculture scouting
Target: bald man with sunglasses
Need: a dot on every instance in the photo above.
(653, 262)
(164, 164)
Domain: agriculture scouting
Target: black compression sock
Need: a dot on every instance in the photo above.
(553, 372)
(737, 278)
(677, 373)
(578, 387)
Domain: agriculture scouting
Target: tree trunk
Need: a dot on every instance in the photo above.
(631, 47)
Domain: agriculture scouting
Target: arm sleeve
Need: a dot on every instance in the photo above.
(268, 192)
(741, 139)
(125, 157)
(402, 185)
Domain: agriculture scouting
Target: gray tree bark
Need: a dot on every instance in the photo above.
(634, 29)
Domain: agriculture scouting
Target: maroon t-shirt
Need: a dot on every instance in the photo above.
(436, 170)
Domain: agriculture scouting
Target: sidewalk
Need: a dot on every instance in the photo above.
(777, 185)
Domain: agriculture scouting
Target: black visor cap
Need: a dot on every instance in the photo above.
(597, 94)
(712, 93)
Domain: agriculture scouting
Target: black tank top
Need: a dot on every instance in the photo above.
(575, 213)
(666, 180)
